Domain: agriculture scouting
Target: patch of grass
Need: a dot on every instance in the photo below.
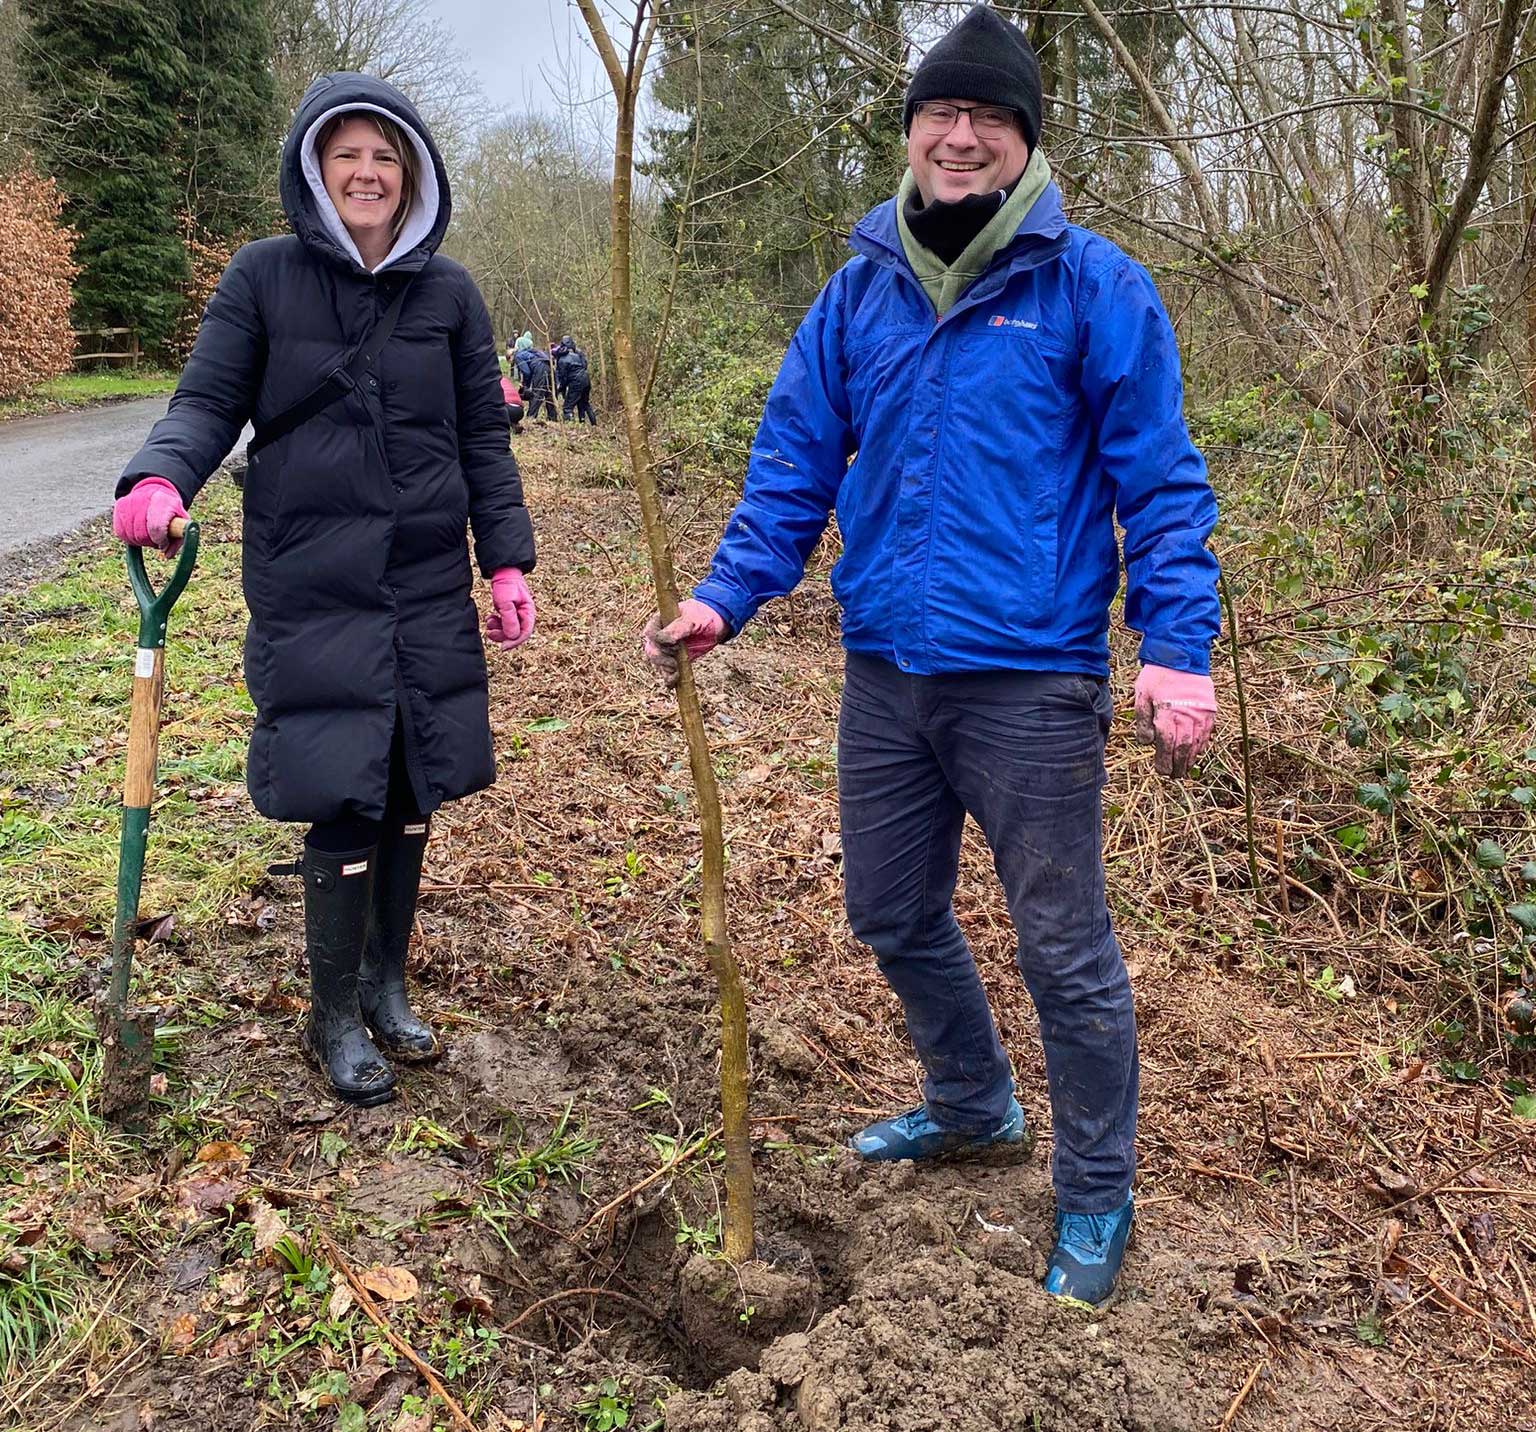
(40, 1293)
(563, 1156)
(65, 681)
(81, 390)
(519, 1171)
(66, 676)
(52, 1085)
(423, 1134)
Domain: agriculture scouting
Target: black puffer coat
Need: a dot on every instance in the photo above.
(356, 566)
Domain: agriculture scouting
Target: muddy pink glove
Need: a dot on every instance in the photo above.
(143, 517)
(1175, 713)
(697, 629)
(510, 621)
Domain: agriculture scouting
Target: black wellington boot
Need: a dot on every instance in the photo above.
(338, 894)
(381, 982)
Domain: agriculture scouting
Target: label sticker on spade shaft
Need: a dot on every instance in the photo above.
(144, 661)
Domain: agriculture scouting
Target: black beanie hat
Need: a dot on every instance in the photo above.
(983, 58)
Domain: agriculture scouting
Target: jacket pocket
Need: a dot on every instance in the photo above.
(263, 492)
(1001, 454)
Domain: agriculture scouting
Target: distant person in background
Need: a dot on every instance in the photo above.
(514, 401)
(533, 371)
(573, 383)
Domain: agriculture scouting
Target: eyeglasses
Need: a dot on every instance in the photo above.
(987, 121)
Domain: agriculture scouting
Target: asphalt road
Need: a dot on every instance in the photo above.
(57, 471)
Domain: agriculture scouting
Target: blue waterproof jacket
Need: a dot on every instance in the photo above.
(992, 451)
(532, 367)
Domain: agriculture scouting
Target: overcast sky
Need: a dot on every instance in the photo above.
(523, 50)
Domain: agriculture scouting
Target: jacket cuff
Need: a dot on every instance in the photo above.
(1156, 651)
(178, 475)
(510, 546)
(735, 615)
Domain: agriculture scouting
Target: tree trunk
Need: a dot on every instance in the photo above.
(737, 1234)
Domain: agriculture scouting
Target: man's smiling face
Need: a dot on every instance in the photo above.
(949, 166)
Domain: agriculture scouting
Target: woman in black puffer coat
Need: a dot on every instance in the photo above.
(363, 654)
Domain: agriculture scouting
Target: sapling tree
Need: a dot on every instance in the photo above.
(626, 73)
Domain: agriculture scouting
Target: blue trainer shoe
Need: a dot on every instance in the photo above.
(914, 1135)
(1089, 1250)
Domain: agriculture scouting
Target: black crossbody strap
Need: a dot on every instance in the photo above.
(338, 382)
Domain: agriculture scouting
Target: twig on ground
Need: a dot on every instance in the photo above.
(1242, 1393)
(1512, 1348)
(564, 1293)
(366, 1303)
(614, 1204)
(1223, 1173)
(1367, 1389)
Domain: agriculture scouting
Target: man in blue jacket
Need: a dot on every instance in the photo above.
(1006, 386)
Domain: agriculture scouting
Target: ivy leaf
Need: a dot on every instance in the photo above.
(1524, 1107)
(1353, 837)
(1524, 916)
(1489, 855)
(1374, 797)
(1369, 1331)
(549, 723)
(1463, 1071)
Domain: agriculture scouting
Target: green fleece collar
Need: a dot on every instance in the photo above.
(945, 283)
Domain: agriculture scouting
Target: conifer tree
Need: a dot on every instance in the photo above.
(228, 118)
(107, 78)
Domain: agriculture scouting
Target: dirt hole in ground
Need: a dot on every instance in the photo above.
(929, 1311)
(713, 1317)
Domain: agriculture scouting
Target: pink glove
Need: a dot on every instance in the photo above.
(143, 517)
(510, 621)
(1175, 713)
(698, 629)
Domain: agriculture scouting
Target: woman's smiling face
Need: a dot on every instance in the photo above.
(361, 171)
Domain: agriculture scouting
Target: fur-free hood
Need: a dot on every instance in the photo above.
(308, 206)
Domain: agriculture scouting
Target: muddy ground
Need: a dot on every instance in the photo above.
(1330, 1234)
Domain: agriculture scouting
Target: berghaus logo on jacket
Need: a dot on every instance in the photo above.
(999, 321)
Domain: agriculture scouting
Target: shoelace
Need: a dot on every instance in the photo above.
(1089, 1232)
(908, 1123)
